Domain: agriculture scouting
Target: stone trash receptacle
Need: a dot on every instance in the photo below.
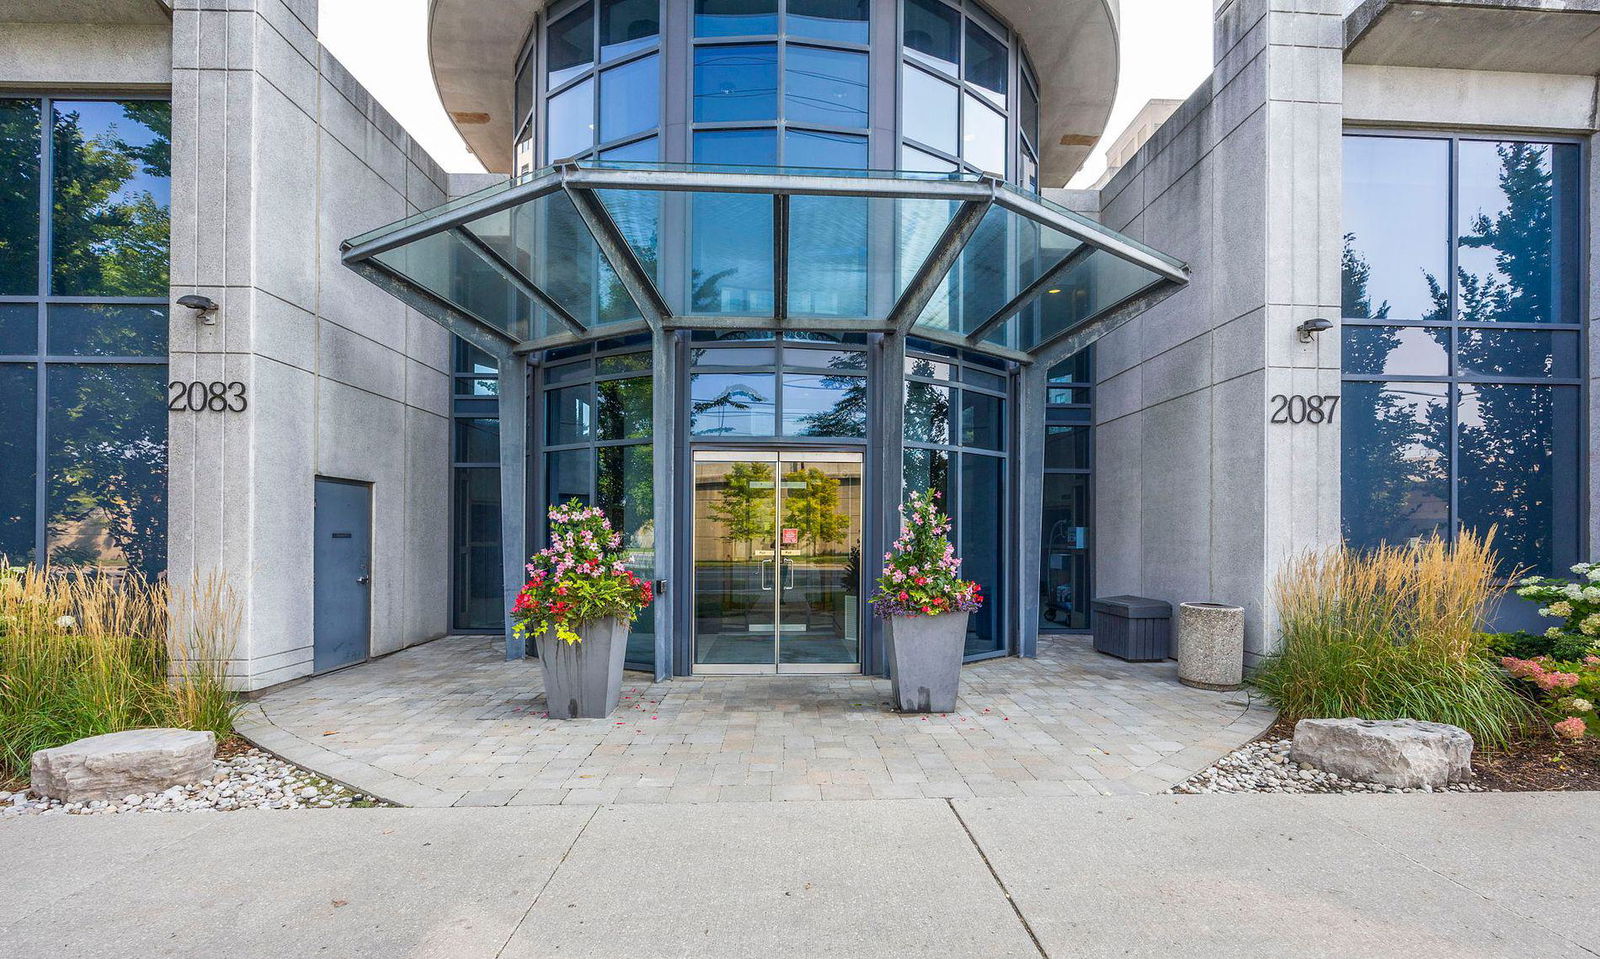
(116, 765)
(1210, 645)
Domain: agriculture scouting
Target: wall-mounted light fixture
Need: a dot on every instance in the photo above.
(205, 308)
(1310, 328)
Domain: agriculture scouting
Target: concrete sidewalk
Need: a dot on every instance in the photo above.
(1216, 876)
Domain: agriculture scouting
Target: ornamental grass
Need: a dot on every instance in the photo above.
(83, 653)
(1393, 633)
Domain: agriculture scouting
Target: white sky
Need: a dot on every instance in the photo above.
(1166, 52)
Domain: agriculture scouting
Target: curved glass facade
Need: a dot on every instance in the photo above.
(768, 82)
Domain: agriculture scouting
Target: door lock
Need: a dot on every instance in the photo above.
(364, 579)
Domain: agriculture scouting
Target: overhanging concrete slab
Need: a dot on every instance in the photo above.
(1504, 36)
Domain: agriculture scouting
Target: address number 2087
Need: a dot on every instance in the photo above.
(1299, 408)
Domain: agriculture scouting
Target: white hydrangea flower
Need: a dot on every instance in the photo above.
(1582, 705)
(1553, 632)
(66, 622)
(1562, 609)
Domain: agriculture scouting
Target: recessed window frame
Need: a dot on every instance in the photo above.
(1455, 377)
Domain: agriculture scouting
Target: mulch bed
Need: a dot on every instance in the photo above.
(1538, 763)
(1541, 764)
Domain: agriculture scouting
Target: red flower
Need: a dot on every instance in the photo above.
(922, 580)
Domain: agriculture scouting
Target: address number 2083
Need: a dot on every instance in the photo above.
(207, 396)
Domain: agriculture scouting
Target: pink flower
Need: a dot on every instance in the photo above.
(1571, 728)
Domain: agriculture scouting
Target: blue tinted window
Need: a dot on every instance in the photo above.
(828, 255)
(732, 404)
(928, 109)
(933, 34)
(571, 122)
(569, 50)
(640, 150)
(1396, 350)
(983, 136)
(19, 327)
(739, 147)
(982, 552)
(827, 87)
(112, 197)
(1396, 461)
(1519, 470)
(840, 20)
(1519, 248)
(736, 83)
(630, 99)
(627, 26)
(568, 475)
(824, 405)
(20, 142)
(1516, 453)
(1396, 228)
(987, 64)
(18, 450)
(735, 18)
(106, 432)
(1486, 351)
(115, 330)
(828, 150)
(731, 254)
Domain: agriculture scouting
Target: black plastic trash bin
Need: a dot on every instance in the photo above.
(1135, 628)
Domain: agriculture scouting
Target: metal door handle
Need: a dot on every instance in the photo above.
(363, 579)
(765, 565)
(788, 568)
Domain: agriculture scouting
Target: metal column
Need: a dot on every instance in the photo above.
(514, 380)
(1028, 464)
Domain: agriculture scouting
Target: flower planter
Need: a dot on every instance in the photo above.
(584, 680)
(925, 660)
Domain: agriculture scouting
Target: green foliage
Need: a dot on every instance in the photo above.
(1564, 647)
(922, 575)
(579, 578)
(744, 505)
(1392, 634)
(83, 654)
(811, 506)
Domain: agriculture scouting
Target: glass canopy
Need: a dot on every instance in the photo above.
(600, 248)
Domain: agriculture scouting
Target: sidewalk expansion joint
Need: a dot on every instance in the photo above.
(1011, 901)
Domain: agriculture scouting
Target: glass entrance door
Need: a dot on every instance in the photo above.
(777, 561)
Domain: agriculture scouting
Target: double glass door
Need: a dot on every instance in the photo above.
(777, 561)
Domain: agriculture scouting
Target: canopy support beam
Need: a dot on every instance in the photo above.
(932, 271)
(514, 276)
(1073, 339)
(470, 328)
(1032, 290)
(614, 247)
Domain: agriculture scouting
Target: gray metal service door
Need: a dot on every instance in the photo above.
(342, 573)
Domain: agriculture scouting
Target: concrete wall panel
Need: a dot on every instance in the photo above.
(279, 155)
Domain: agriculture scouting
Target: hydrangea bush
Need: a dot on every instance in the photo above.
(1567, 691)
(922, 575)
(579, 578)
(1576, 604)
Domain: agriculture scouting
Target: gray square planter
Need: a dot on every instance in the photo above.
(925, 661)
(584, 681)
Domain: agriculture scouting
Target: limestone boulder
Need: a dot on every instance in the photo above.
(1404, 753)
(117, 765)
